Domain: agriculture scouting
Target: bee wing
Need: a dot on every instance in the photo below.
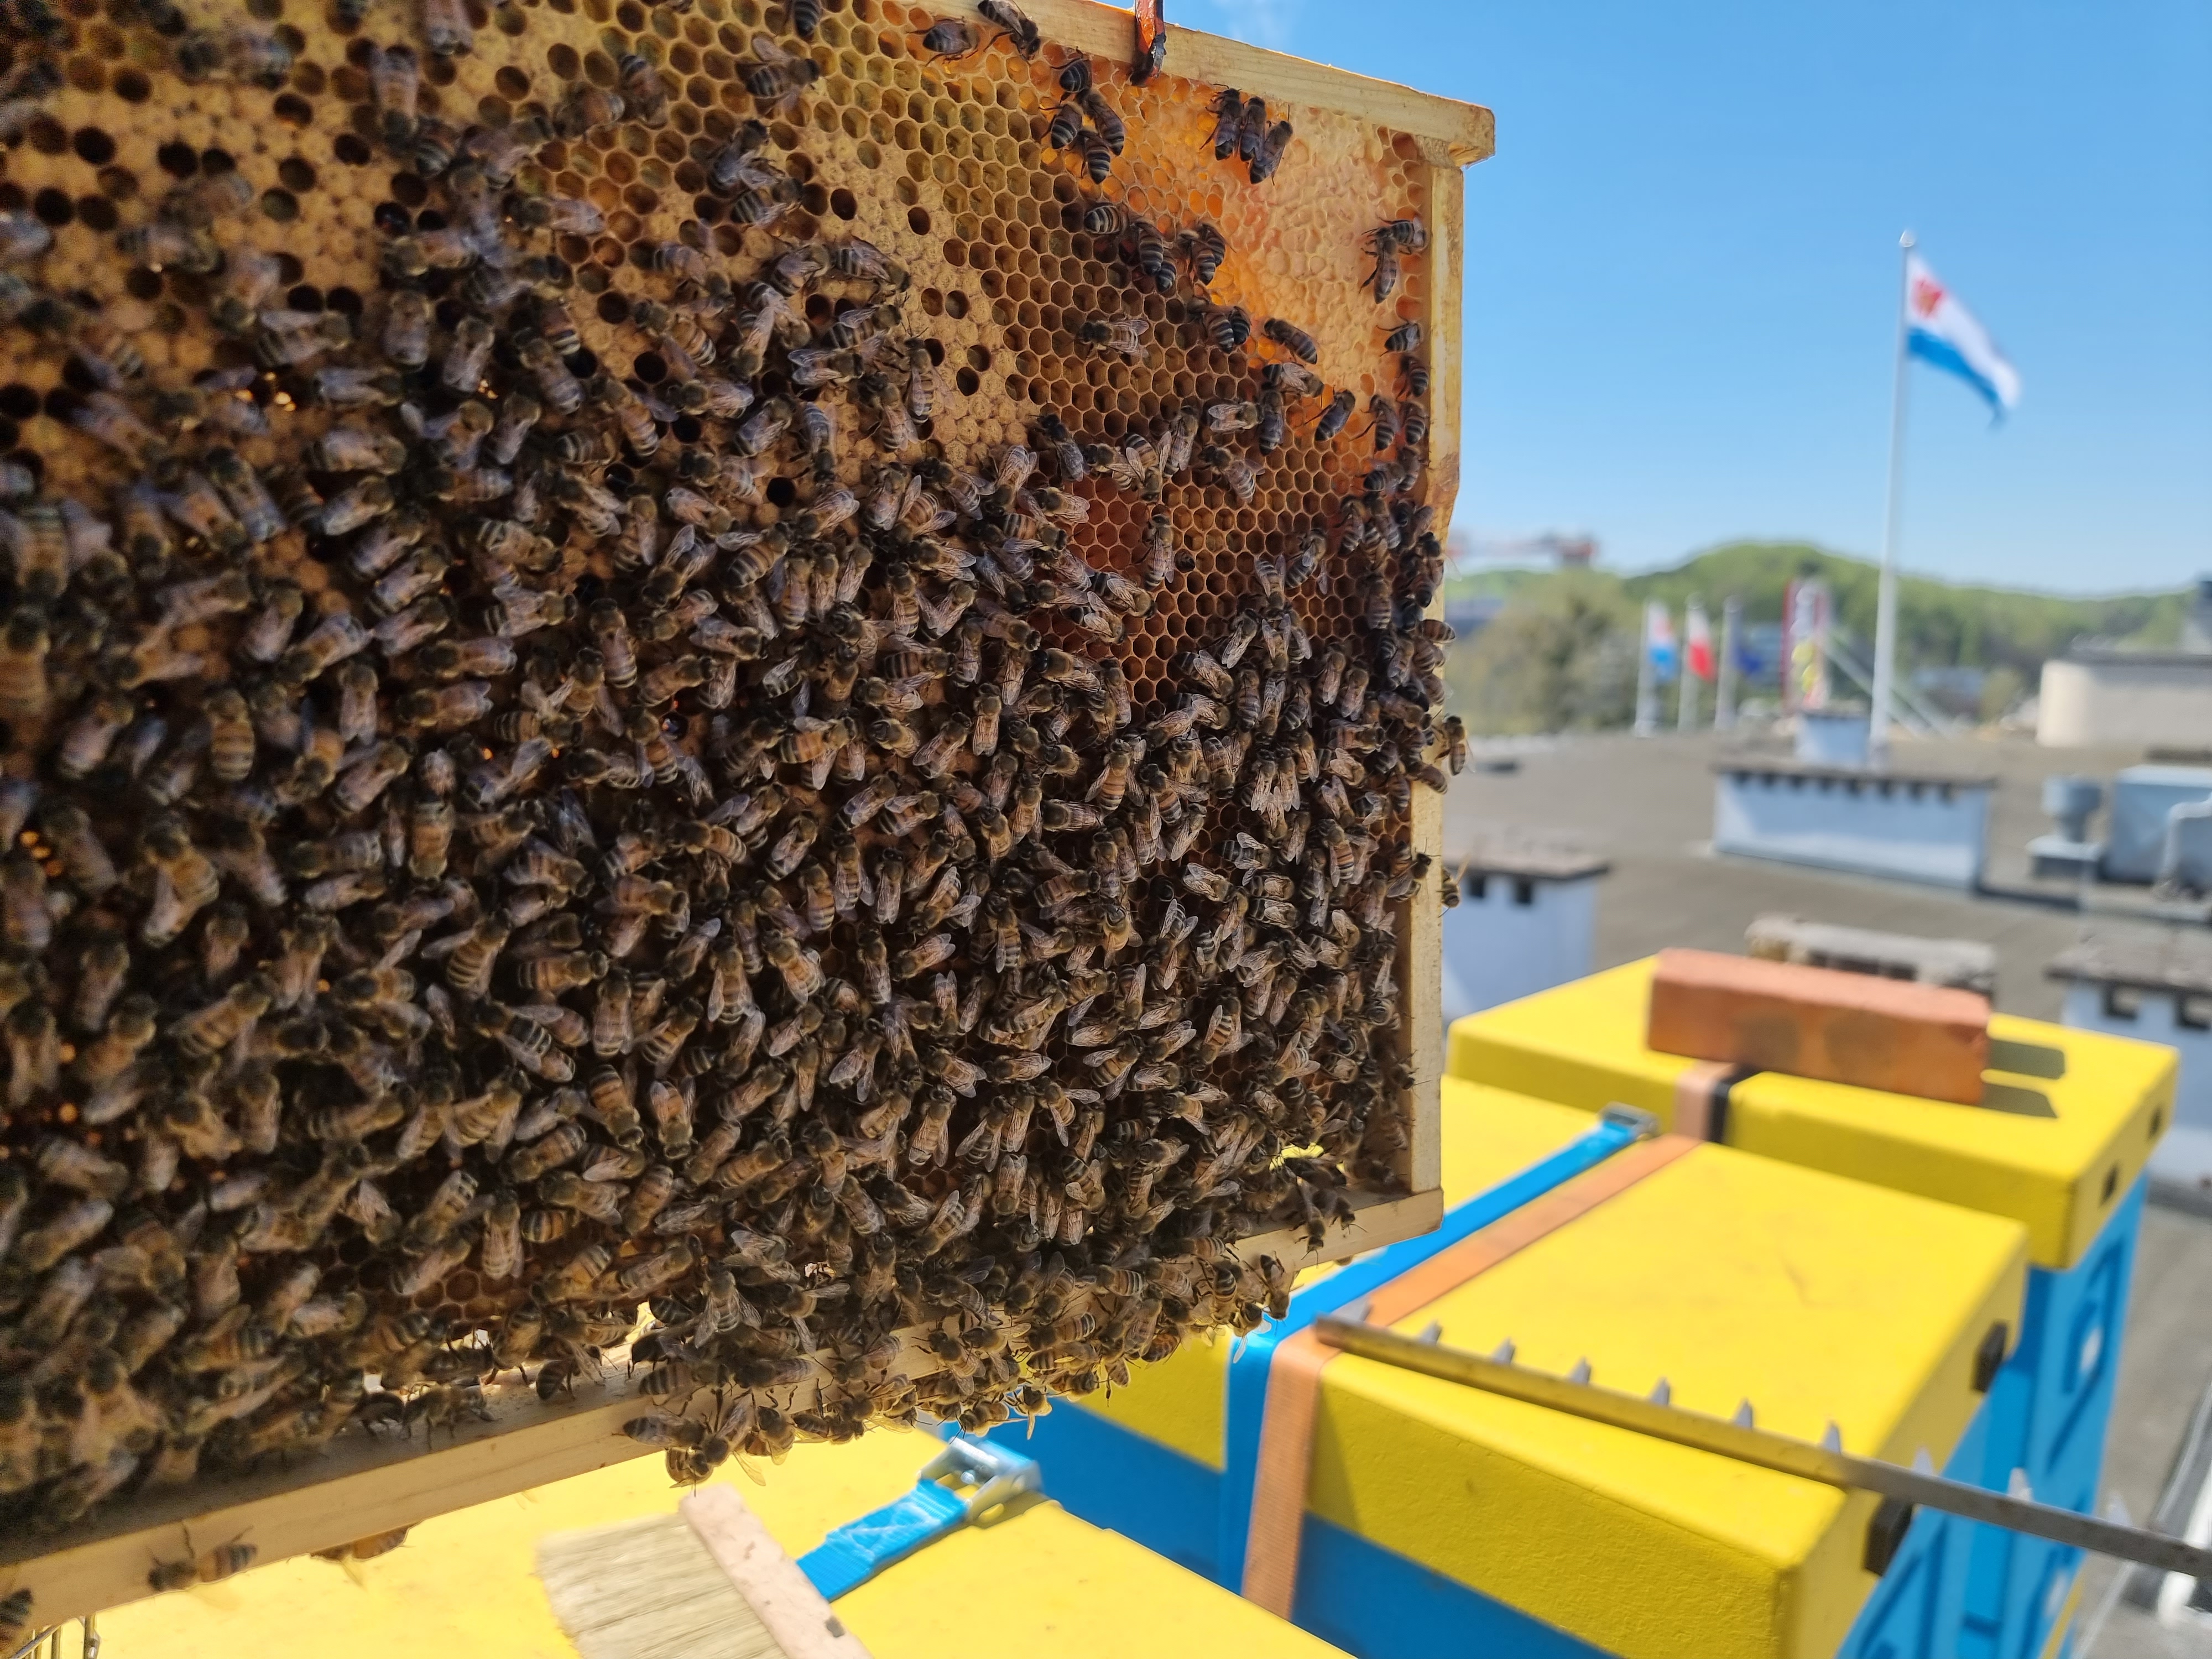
(766, 49)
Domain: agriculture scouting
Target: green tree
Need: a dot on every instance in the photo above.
(1562, 653)
(1939, 624)
(1560, 657)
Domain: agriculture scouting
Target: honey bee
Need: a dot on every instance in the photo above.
(1109, 126)
(1408, 235)
(165, 245)
(1271, 151)
(354, 387)
(1275, 422)
(1065, 130)
(394, 83)
(518, 413)
(586, 110)
(1454, 732)
(1224, 417)
(445, 28)
(86, 744)
(1153, 257)
(24, 642)
(561, 391)
(1334, 417)
(1383, 414)
(1232, 471)
(643, 89)
(1014, 25)
(367, 1549)
(165, 1575)
(1229, 122)
(1097, 154)
(22, 238)
(466, 354)
(951, 37)
(1205, 247)
(1293, 339)
(226, 1561)
(775, 77)
(1384, 277)
(733, 167)
(1124, 336)
(863, 261)
(248, 497)
(107, 419)
(1228, 327)
(434, 147)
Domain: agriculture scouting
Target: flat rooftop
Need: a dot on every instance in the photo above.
(1645, 805)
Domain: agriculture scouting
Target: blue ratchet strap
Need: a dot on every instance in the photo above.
(1249, 1361)
(960, 1483)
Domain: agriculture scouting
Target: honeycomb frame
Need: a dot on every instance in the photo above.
(946, 143)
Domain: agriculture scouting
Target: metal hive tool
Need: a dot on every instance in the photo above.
(450, 912)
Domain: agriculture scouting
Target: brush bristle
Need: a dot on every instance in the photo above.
(648, 1590)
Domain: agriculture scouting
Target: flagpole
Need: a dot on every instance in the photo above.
(1724, 682)
(1685, 709)
(1647, 679)
(1884, 615)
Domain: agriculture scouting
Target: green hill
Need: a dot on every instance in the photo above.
(1560, 655)
(1940, 624)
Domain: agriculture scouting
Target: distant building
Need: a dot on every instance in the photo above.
(2099, 694)
(1567, 550)
(2196, 622)
(1955, 690)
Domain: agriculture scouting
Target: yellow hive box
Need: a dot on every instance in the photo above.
(2062, 1175)
(1038, 1583)
(1818, 1298)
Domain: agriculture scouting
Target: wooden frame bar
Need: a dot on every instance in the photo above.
(366, 1483)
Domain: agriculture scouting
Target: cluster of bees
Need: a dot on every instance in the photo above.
(698, 855)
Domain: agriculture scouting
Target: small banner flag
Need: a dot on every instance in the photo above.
(1659, 640)
(1697, 639)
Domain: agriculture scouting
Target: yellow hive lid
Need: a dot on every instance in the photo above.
(1819, 1298)
(1181, 1401)
(1038, 1583)
(1581, 1044)
(2061, 1174)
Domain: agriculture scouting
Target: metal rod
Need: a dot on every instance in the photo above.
(1768, 1451)
(1884, 615)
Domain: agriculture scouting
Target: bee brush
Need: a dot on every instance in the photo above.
(705, 1582)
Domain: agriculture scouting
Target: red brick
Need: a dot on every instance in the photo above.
(1911, 1039)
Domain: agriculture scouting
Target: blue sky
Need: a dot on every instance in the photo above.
(1682, 261)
